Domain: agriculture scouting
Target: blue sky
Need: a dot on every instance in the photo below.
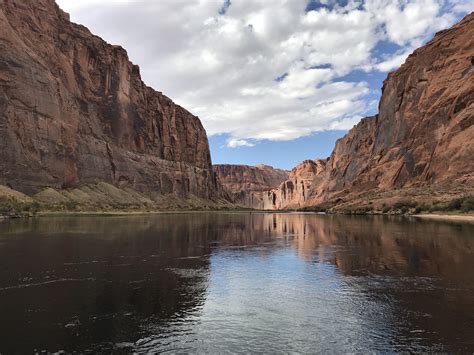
(273, 82)
(282, 154)
(287, 154)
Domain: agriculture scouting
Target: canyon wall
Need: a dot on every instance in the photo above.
(74, 111)
(295, 191)
(423, 135)
(247, 184)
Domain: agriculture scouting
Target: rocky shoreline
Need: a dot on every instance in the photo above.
(459, 217)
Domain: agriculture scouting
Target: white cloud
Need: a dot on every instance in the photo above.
(392, 62)
(223, 67)
(462, 6)
(234, 143)
(405, 21)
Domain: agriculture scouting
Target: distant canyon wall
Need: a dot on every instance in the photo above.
(246, 185)
(295, 191)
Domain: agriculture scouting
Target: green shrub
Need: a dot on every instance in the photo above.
(463, 204)
(431, 208)
(314, 209)
(404, 205)
(70, 205)
(12, 207)
(423, 208)
(359, 210)
(467, 204)
(455, 204)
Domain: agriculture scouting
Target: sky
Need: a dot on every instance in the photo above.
(273, 81)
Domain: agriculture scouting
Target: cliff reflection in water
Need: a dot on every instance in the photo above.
(249, 282)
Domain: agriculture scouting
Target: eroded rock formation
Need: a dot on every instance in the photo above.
(246, 184)
(74, 111)
(296, 190)
(423, 135)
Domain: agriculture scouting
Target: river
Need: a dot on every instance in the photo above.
(236, 282)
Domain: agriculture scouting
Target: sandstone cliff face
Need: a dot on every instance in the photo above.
(422, 136)
(246, 183)
(74, 110)
(295, 191)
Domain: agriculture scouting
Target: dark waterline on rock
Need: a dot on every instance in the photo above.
(236, 282)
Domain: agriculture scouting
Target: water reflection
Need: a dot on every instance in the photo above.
(237, 282)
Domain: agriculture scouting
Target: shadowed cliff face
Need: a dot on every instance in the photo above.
(422, 136)
(74, 110)
(247, 184)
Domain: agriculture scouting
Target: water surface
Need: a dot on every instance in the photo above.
(233, 282)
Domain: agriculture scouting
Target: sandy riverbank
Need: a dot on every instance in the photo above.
(448, 217)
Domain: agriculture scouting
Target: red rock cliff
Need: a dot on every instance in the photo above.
(247, 183)
(423, 135)
(74, 110)
(295, 191)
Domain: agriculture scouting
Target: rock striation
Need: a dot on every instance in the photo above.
(74, 111)
(295, 191)
(246, 184)
(423, 135)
